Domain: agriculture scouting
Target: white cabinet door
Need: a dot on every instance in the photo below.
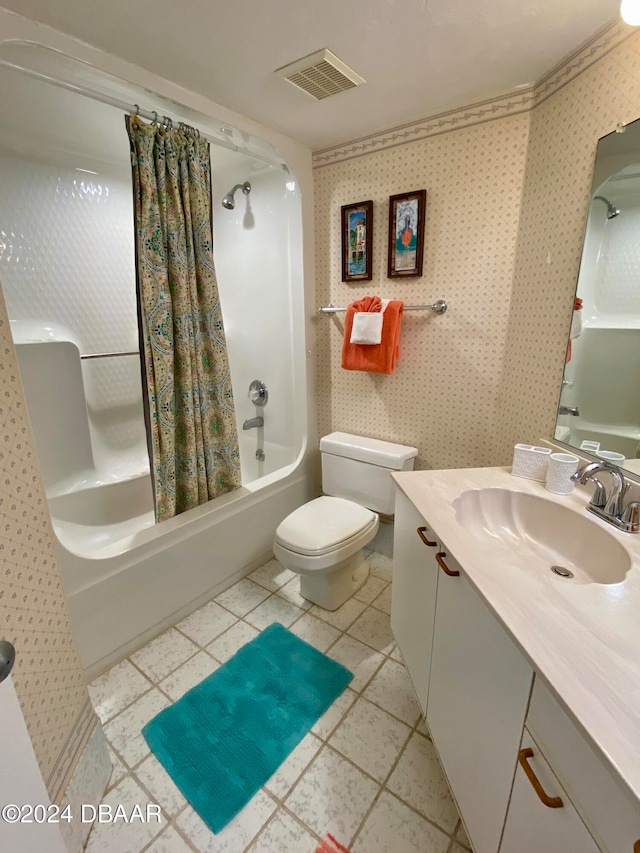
(541, 816)
(413, 596)
(478, 695)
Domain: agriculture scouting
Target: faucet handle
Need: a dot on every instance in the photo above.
(599, 498)
(631, 517)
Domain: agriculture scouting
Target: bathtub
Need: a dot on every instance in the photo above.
(127, 578)
(621, 439)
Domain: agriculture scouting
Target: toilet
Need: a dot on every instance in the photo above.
(322, 541)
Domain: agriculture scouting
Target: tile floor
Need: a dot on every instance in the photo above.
(367, 771)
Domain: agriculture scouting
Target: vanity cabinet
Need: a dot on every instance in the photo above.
(477, 702)
(507, 748)
(413, 602)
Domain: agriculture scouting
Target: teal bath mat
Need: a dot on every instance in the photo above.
(226, 737)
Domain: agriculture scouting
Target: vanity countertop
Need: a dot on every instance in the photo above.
(584, 639)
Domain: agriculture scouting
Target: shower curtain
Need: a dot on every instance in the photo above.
(191, 425)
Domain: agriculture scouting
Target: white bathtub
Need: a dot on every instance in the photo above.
(621, 439)
(127, 578)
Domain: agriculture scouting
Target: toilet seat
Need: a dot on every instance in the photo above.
(323, 525)
(322, 533)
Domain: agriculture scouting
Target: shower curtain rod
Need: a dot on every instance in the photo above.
(130, 108)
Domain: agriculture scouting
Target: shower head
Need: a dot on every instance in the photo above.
(228, 201)
(612, 210)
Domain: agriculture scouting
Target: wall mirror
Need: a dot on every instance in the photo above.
(599, 403)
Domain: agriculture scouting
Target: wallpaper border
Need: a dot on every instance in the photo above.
(512, 103)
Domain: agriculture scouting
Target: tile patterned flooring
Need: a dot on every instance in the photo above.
(367, 772)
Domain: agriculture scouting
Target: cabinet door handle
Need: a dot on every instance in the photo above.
(445, 568)
(421, 532)
(551, 802)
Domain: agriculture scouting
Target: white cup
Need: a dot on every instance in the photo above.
(561, 467)
(611, 456)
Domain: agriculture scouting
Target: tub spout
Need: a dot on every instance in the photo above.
(253, 423)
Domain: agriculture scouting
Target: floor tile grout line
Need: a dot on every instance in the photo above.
(134, 778)
(280, 807)
(385, 784)
(171, 820)
(450, 848)
(125, 708)
(413, 730)
(259, 831)
(383, 788)
(119, 663)
(157, 683)
(191, 656)
(181, 836)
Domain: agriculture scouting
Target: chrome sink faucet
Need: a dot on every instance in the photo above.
(610, 506)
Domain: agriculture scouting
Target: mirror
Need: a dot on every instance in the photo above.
(599, 404)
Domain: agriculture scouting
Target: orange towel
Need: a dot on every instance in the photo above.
(379, 358)
(329, 845)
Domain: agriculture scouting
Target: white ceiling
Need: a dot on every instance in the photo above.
(418, 57)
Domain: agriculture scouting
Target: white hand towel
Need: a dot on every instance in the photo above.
(367, 326)
(576, 325)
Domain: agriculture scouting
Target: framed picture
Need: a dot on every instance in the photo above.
(406, 233)
(357, 241)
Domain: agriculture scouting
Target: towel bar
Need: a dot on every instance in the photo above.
(438, 307)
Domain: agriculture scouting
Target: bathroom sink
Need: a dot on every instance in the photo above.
(560, 536)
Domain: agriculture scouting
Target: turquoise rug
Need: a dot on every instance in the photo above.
(226, 737)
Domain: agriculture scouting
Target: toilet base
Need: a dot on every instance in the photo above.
(331, 589)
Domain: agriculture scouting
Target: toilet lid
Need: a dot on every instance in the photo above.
(323, 524)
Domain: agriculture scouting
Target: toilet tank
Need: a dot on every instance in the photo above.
(359, 469)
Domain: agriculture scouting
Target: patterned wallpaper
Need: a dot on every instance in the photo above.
(507, 186)
(47, 675)
(442, 396)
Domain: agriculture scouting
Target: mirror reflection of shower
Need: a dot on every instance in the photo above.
(228, 202)
(612, 210)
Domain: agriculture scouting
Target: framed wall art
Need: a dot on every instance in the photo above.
(357, 241)
(406, 233)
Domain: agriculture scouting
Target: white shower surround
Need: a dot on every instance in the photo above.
(139, 580)
(605, 364)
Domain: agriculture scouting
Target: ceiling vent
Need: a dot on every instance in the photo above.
(320, 75)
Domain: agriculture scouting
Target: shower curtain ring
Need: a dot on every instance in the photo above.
(136, 111)
(155, 117)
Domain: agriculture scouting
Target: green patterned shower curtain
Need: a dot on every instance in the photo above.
(191, 421)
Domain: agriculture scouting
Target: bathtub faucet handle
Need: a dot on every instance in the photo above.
(258, 393)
